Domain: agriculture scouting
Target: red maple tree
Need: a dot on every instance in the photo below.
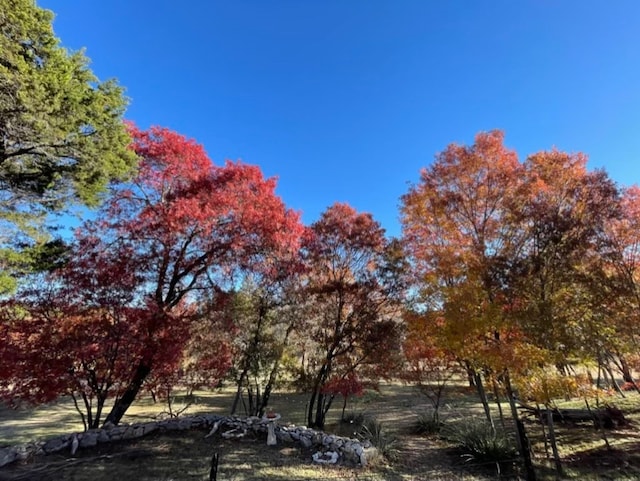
(167, 239)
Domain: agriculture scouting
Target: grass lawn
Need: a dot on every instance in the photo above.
(187, 455)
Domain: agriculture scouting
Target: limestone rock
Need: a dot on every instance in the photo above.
(7, 456)
(330, 457)
(89, 439)
(56, 444)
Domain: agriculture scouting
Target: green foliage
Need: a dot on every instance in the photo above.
(16, 261)
(62, 130)
(480, 442)
(62, 138)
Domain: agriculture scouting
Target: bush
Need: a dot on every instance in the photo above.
(480, 442)
(355, 418)
(351, 424)
(428, 423)
(628, 386)
(373, 431)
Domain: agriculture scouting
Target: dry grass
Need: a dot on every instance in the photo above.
(186, 456)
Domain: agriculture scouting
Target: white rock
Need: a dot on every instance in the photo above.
(74, 444)
(7, 456)
(330, 457)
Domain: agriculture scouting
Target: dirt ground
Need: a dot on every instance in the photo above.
(187, 456)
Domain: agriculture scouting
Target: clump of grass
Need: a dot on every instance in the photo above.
(370, 396)
(386, 444)
(351, 424)
(355, 418)
(481, 442)
(428, 423)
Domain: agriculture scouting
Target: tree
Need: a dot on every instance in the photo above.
(171, 238)
(621, 284)
(57, 342)
(62, 131)
(460, 230)
(265, 315)
(512, 255)
(347, 386)
(430, 364)
(353, 291)
(62, 138)
(560, 280)
(190, 223)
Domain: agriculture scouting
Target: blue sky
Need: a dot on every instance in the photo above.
(345, 100)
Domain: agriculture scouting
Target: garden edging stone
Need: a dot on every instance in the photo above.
(348, 450)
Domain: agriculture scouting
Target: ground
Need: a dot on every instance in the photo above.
(187, 456)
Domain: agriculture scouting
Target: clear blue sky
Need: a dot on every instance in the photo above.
(345, 100)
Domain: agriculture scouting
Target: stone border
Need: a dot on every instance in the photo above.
(348, 450)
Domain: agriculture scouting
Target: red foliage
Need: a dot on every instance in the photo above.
(346, 386)
(628, 386)
(122, 308)
(351, 282)
(56, 347)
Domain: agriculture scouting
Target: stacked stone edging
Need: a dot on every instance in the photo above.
(348, 450)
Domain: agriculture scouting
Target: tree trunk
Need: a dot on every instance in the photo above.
(471, 374)
(89, 408)
(544, 431)
(249, 411)
(496, 394)
(264, 401)
(598, 424)
(258, 400)
(315, 419)
(344, 406)
(521, 434)
(238, 395)
(213, 473)
(626, 370)
(483, 397)
(121, 405)
(99, 407)
(266, 395)
(312, 402)
(84, 418)
(319, 421)
(554, 444)
(273, 375)
(614, 383)
(327, 401)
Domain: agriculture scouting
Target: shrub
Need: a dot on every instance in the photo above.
(386, 444)
(355, 418)
(428, 423)
(628, 386)
(351, 424)
(480, 442)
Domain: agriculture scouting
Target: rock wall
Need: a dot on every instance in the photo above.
(330, 448)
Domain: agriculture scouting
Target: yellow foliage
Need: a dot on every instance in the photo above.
(544, 385)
